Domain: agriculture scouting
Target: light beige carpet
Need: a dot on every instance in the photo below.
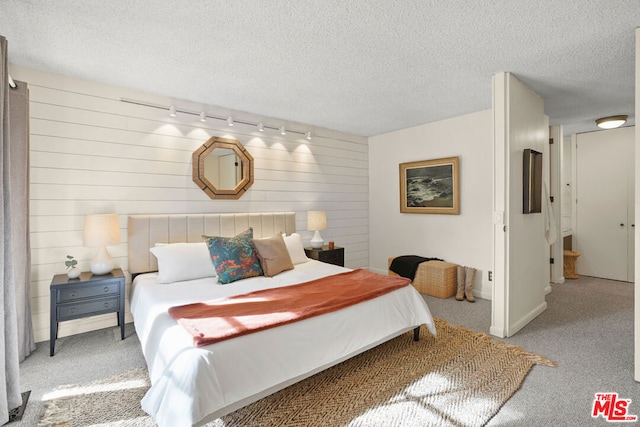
(460, 378)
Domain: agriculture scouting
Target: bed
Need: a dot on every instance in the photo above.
(193, 385)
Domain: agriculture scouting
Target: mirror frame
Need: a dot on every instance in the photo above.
(205, 185)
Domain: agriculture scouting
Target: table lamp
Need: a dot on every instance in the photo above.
(316, 221)
(100, 231)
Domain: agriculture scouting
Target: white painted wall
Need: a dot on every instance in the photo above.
(92, 153)
(521, 250)
(637, 218)
(463, 239)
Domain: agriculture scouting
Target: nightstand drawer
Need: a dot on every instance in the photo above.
(324, 254)
(94, 307)
(331, 256)
(87, 292)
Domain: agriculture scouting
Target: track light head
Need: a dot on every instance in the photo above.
(260, 127)
(308, 135)
(203, 116)
(230, 121)
(172, 110)
(283, 131)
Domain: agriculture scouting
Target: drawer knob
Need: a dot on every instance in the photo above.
(72, 310)
(72, 294)
(106, 305)
(106, 289)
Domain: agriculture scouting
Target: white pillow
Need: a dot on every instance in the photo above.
(295, 248)
(182, 261)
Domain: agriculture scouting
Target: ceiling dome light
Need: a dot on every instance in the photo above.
(611, 122)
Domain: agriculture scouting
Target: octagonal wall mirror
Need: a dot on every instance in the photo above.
(222, 168)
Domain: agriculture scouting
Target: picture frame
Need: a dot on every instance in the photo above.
(531, 181)
(430, 186)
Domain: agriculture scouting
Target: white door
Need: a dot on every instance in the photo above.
(604, 193)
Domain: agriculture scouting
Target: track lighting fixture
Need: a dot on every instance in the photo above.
(611, 122)
(229, 119)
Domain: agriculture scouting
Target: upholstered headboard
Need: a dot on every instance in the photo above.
(144, 231)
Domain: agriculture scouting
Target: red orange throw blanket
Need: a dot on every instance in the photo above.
(224, 318)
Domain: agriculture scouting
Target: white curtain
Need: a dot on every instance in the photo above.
(10, 396)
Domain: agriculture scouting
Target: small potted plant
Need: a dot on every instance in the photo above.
(72, 271)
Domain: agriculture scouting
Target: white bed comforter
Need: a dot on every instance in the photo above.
(192, 385)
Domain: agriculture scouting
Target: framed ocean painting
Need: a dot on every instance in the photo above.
(430, 186)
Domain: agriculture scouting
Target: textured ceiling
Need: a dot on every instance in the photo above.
(360, 66)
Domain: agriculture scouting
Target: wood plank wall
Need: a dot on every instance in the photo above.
(92, 153)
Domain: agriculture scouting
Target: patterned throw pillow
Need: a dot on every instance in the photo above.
(234, 258)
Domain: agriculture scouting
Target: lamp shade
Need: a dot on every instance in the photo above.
(316, 220)
(101, 230)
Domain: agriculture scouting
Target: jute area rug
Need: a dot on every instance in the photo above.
(460, 378)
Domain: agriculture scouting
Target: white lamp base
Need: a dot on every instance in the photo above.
(102, 263)
(316, 240)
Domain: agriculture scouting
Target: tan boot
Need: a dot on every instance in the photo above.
(460, 293)
(470, 276)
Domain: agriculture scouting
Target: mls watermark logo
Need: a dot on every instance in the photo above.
(612, 409)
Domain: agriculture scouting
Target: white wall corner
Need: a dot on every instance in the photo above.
(521, 271)
(637, 218)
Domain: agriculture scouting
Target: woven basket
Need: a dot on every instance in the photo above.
(436, 278)
(570, 258)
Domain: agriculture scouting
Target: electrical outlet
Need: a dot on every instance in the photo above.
(490, 276)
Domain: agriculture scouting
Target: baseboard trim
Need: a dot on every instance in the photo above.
(526, 319)
(497, 332)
